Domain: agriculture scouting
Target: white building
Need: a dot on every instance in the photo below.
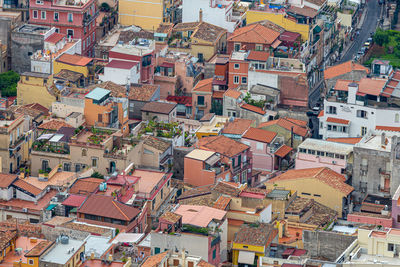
(216, 12)
(352, 109)
(121, 72)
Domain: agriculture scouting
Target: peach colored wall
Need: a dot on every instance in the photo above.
(262, 158)
(195, 175)
(241, 72)
(92, 111)
(207, 102)
(370, 220)
(305, 161)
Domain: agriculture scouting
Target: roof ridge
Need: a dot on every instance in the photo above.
(320, 171)
(115, 204)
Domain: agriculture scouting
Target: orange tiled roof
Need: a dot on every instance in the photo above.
(342, 85)
(283, 151)
(254, 33)
(387, 128)
(27, 187)
(54, 125)
(39, 249)
(7, 179)
(204, 86)
(323, 174)
(233, 93)
(171, 217)
(298, 122)
(371, 86)
(74, 59)
(258, 55)
(260, 135)
(253, 108)
(343, 68)
(223, 145)
(222, 202)
(346, 140)
(287, 124)
(237, 126)
(336, 120)
(321, 114)
(153, 261)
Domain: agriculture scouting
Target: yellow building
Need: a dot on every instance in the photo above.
(147, 14)
(67, 252)
(36, 87)
(211, 126)
(201, 39)
(280, 19)
(251, 242)
(321, 184)
(76, 63)
(7, 244)
(32, 256)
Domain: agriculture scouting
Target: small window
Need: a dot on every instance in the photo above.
(35, 14)
(94, 162)
(236, 79)
(306, 194)
(259, 47)
(244, 80)
(260, 146)
(43, 14)
(84, 152)
(100, 117)
(361, 114)
(331, 110)
(390, 247)
(56, 16)
(30, 262)
(200, 100)
(396, 118)
(67, 167)
(70, 33)
(236, 66)
(70, 17)
(363, 131)
(237, 47)
(39, 2)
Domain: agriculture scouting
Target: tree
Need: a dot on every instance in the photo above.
(381, 37)
(8, 83)
(97, 175)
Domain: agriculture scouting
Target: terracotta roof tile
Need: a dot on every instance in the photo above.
(68, 75)
(121, 64)
(260, 135)
(324, 174)
(222, 202)
(74, 59)
(233, 93)
(142, 92)
(371, 86)
(27, 187)
(159, 107)
(155, 260)
(321, 114)
(237, 126)
(55, 38)
(223, 145)
(116, 89)
(283, 151)
(157, 143)
(203, 86)
(5, 237)
(347, 140)
(53, 125)
(203, 263)
(387, 128)
(260, 235)
(171, 217)
(39, 249)
(106, 206)
(304, 11)
(200, 216)
(253, 108)
(227, 189)
(343, 68)
(85, 186)
(287, 124)
(74, 200)
(258, 55)
(7, 179)
(338, 121)
(254, 33)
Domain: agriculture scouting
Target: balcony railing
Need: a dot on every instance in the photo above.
(201, 105)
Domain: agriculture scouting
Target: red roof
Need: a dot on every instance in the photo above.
(74, 60)
(345, 140)
(55, 38)
(287, 124)
(289, 36)
(283, 151)
(343, 68)
(260, 135)
(254, 33)
(183, 100)
(371, 86)
(336, 120)
(121, 64)
(252, 195)
(253, 108)
(258, 55)
(321, 114)
(388, 128)
(74, 201)
(203, 86)
(167, 65)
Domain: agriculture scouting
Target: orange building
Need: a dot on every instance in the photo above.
(102, 110)
(201, 98)
(238, 70)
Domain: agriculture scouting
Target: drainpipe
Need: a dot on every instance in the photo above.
(291, 136)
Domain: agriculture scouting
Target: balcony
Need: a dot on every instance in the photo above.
(17, 142)
(201, 105)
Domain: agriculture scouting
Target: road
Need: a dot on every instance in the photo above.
(369, 25)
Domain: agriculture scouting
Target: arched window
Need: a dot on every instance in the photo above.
(84, 152)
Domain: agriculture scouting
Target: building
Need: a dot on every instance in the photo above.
(211, 125)
(320, 153)
(38, 88)
(76, 63)
(252, 242)
(238, 70)
(260, 142)
(75, 19)
(292, 131)
(219, 13)
(255, 37)
(234, 153)
(321, 184)
(159, 111)
(7, 244)
(104, 210)
(202, 98)
(56, 256)
(139, 95)
(174, 259)
(121, 72)
(236, 128)
(231, 99)
(202, 167)
(201, 39)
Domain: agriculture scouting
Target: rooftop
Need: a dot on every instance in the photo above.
(171, 217)
(345, 140)
(7, 179)
(33, 29)
(260, 135)
(157, 143)
(58, 254)
(200, 216)
(74, 59)
(98, 245)
(287, 123)
(159, 107)
(58, 179)
(98, 94)
(254, 33)
(203, 86)
(53, 125)
(323, 145)
(237, 126)
(255, 235)
(374, 142)
(200, 154)
(30, 247)
(121, 64)
(149, 179)
(343, 68)
(142, 92)
(85, 186)
(223, 145)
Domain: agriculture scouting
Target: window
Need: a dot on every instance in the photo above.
(100, 117)
(260, 146)
(361, 114)
(390, 247)
(43, 13)
(39, 2)
(176, 262)
(244, 80)
(200, 100)
(398, 218)
(70, 33)
(331, 110)
(57, 30)
(317, 195)
(30, 262)
(329, 127)
(259, 47)
(77, 167)
(396, 118)
(67, 167)
(45, 165)
(363, 130)
(214, 254)
(306, 194)
(237, 47)
(94, 162)
(35, 14)
(236, 79)
(236, 66)
(70, 17)
(84, 152)
(56, 16)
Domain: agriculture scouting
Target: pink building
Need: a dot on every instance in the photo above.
(73, 18)
(202, 98)
(314, 153)
(396, 208)
(259, 141)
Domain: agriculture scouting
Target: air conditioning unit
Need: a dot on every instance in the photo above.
(334, 162)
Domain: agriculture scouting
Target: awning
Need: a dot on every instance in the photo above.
(56, 138)
(246, 257)
(276, 43)
(51, 206)
(45, 136)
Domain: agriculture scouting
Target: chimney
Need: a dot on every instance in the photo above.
(352, 91)
(201, 15)
(383, 139)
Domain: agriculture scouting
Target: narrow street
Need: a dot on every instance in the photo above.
(369, 25)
